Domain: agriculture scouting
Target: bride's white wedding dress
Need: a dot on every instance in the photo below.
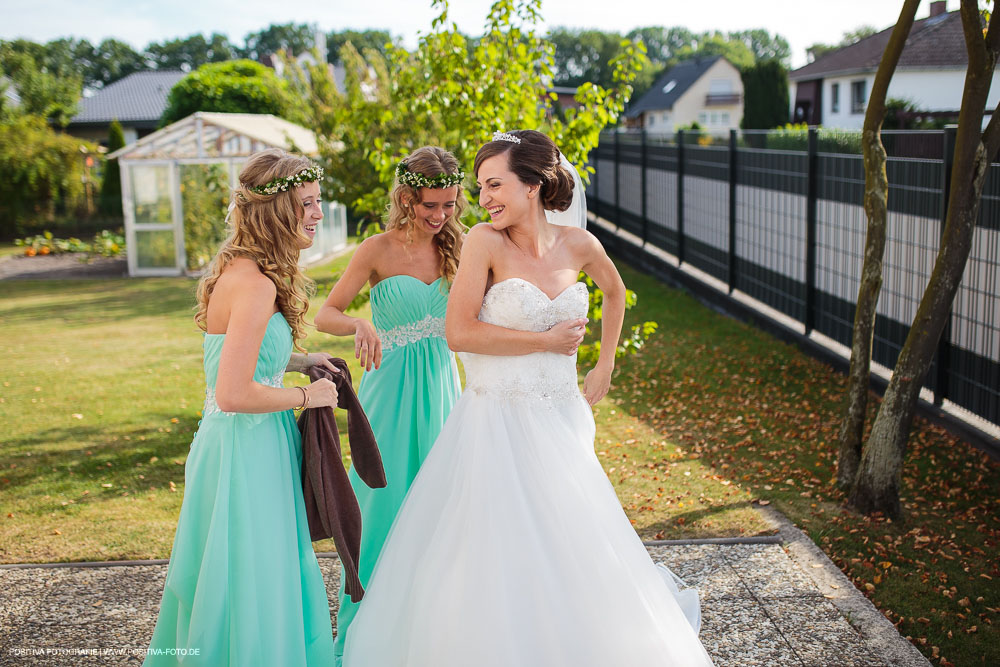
(511, 548)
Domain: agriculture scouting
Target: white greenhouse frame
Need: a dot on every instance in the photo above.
(209, 138)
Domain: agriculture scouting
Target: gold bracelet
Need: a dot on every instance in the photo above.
(305, 397)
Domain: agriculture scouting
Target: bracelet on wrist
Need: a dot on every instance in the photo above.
(305, 397)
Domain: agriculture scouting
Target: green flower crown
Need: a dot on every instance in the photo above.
(417, 180)
(308, 175)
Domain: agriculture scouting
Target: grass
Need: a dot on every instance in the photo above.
(759, 414)
(9, 249)
(102, 389)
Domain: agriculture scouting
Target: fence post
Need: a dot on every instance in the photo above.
(618, 187)
(812, 194)
(731, 275)
(944, 344)
(642, 189)
(680, 197)
(593, 178)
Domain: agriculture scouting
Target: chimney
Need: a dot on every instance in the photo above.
(939, 7)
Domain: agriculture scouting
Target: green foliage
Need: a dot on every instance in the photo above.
(819, 49)
(106, 243)
(189, 53)
(111, 186)
(43, 171)
(454, 92)
(51, 96)
(362, 40)
(765, 95)
(278, 38)
(204, 199)
(633, 340)
(238, 86)
(795, 137)
(666, 47)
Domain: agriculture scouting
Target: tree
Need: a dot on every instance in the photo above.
(819, 49)
(876, 487)
(876, 198)
(50, 96)
(718, 44)
(238, 86)
(111, 186)
(189, 53)
(763, 45)
(43, 173)
(664, 44)
(765, 95)
(363, 40)
(112, 60)
(278, 38)
(582, 55)
(455, 93)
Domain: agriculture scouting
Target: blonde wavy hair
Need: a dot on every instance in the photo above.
(266, 229)
(430, 161)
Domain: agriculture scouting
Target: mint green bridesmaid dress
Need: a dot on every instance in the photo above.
(407, 401)
(243, 586)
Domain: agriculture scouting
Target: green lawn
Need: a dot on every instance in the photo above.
(102, 390)
(7, 249)
(758, 413)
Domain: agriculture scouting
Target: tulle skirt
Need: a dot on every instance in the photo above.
(511, 549)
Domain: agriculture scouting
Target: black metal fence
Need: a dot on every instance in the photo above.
(780, 218)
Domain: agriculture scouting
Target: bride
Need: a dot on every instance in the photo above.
(511, 548)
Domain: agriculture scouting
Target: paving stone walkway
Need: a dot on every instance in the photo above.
(773, 602)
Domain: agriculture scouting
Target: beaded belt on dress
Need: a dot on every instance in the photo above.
(429, 327)
(212, 408)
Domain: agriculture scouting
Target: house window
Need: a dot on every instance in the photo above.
(725, 118)
(703, 118)
(835, 98)
(652, 119)
(720, 87)
(859, 96)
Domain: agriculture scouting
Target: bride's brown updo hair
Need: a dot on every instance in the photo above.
(267, 229)
(535, 161)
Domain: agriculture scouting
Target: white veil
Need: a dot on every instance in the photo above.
(576, 214)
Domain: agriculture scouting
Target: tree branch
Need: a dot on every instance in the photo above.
(890, 58)
(972, 29)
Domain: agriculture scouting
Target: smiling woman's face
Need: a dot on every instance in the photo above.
(502, 193)
(312, 211)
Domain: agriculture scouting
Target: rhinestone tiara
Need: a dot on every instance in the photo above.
(505, 136)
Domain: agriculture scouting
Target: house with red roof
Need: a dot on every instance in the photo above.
(833, 90)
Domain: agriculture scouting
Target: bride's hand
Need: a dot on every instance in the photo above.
(367, 345)
(566, 336)
(596, 384)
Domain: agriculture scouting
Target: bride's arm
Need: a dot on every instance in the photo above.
(464, 330)
(602, 271)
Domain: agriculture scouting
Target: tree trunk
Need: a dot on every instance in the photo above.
(876, 197)
(876, 487)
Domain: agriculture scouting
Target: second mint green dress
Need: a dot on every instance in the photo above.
(407, 401)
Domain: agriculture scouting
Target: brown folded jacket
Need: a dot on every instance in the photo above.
(331, 506)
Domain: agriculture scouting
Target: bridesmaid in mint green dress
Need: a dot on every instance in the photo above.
(243, 586)
(411, 380)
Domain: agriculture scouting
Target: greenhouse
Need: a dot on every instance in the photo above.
(176, 184)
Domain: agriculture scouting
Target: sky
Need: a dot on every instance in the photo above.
(138, 22)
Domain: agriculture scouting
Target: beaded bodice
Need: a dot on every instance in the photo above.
(406, 310)
(518, 304)
(275, 351)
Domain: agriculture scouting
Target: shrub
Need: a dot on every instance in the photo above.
(105, 244)
(237, 86)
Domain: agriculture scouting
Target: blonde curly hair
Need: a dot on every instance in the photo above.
(267, 229)
(430, 161)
